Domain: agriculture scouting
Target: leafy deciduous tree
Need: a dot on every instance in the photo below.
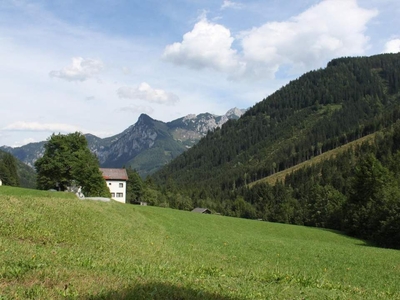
(67, 161)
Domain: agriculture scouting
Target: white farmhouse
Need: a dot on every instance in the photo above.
(116, 181)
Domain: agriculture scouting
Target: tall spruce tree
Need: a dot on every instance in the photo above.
(67, 161)
(135, 187)
(8, 170)
(365, 209)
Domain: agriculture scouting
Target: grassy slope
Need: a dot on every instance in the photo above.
(280, 176)
(53, 246)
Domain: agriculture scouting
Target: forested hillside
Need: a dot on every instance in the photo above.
(320, 111)
(15, 173)
(357, 191)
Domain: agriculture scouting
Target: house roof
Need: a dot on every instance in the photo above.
(114, 174)
(201, 210)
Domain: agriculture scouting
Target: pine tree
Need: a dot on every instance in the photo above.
(8, 170)
(368, 199)
(134, 187)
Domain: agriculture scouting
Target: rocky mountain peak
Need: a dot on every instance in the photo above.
(235, 113)
(144, 120)
(189, 117)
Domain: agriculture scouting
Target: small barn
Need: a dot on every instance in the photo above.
(201, 210)
(116, 181)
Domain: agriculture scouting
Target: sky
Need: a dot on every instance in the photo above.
(95, 66)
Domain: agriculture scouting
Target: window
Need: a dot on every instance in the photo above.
(112, 195)
(121, 184)
(120, 195)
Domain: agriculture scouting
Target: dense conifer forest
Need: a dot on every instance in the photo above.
(322, 110)
(15, 173)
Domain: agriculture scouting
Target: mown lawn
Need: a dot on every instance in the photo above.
(53, 245)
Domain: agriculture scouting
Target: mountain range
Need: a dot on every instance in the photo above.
(145, 146)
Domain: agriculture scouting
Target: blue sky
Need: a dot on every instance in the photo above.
(95, 66)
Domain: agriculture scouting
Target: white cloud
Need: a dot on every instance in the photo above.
(392, 46)
(231, 4)
(80, 70)
(146, 93)
(35, 126)
(208, 45)
(325, 31)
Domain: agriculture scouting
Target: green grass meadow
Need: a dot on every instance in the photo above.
(55, 246)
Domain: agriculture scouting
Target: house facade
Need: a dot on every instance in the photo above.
(116, 181)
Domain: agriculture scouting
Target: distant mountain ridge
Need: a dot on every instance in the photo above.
(192, 128)
(146, 146)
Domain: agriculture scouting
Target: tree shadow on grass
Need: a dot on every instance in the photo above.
(160, 291)
(357, 241)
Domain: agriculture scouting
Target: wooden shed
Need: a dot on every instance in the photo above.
(201, 210)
